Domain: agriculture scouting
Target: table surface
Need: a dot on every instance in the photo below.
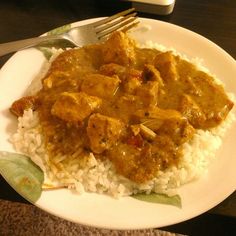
(214, 19)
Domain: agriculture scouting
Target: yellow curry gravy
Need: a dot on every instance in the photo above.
(134, 106)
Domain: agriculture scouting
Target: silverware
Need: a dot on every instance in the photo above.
(81, 35)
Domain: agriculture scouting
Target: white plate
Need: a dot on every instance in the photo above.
(128, 213)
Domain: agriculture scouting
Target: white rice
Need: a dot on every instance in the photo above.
(100, 176)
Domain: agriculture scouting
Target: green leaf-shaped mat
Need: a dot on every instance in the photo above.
(159, 198)
(46, 49)
(22, 174)
(59, 30)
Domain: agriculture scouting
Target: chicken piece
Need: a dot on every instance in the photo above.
(154, 118)
(151, 73)
(75, 107)
(156, 112)
(130, 77)
(56, 78)
(119, 49)
(190, 109)
(131, 85)
(52, 82)
(19, 106)
(100, 85)
(113, 69)
(166, 64)
(191, 86)
(140, 161)
(134, 73)
(148, 93)
(164, 151)
(179, 130)
(103, 132)
(213, 101)
(127, 105)
(128, 162)
(166, 122)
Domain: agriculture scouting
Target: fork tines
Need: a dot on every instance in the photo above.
(124, 21)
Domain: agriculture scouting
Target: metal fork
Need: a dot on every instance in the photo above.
(81, 35)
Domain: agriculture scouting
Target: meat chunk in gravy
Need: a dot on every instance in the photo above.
(168, 123)
(213, 100)
(19, 106)
(165, 62)
(192, 111)
(119, 49)
(183, 82)
(103, 132)
(134, 106)
(75, 107)
(100, 85)
(151, 73)
(148, 93)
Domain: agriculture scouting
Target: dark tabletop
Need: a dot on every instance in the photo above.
(214, 19)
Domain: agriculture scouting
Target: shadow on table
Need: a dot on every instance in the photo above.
(207, 224)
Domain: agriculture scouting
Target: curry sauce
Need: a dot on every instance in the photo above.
(134, 106)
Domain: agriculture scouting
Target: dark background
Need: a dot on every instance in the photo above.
(214, 19)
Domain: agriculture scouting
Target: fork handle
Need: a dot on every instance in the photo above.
(14, 46)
